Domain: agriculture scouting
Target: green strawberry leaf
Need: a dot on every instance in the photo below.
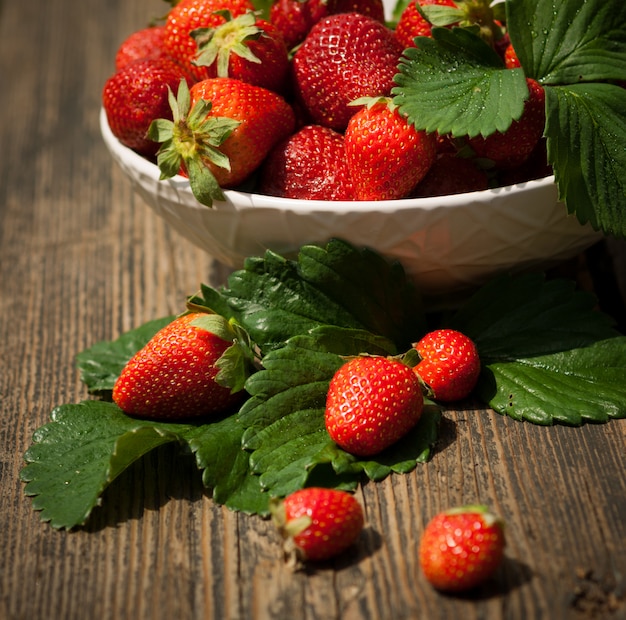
(548, 356)
(569, 41)
(455, 83)
(590, 120)
(274, 298)
(101, 364)
(226, 466)
(80, 452)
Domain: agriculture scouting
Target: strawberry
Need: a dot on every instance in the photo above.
(295, 18)
(449, 366)
(139, 45)
(309, 165)
(513, 147)
(511, 61)
(371, 403)
(246, 48)
(412, 24)
(174, 376)
(222, 131)
(344, 57)
(317, 523)
(386, 155)
(135, 96)
(461, 548)
(185, 17)
(451, 174)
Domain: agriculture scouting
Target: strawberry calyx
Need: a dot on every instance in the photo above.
(217, 44)
(478, 15)
(488, 517)
(189, 141)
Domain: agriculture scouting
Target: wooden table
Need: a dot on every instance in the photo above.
(83, 259)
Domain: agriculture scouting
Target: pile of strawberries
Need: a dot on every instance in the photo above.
(299, 105)
(372, 402)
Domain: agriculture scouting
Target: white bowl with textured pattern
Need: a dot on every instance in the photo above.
(446, 244)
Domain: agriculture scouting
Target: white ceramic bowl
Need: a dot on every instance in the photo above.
(446, 244)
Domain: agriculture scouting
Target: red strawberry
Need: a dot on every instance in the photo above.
(411, 23)
(309, 165)
(189, 15)
(372, 402)
(139, 45)
(317, 523)
(452, 174)
(135, 96)
(295, 18)
(461, 548)
(449, 365)
(512, 147)
(223, 129)
(372, 8)
(344, 57)
(386, 155)
(511, 61)
(246, 48)
(174, 375)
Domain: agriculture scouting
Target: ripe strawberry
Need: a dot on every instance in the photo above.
(386, 155)
(411, 23)
(139, 45)
(136, 95)
(451, 174)
(246, 48)
(309, 165)
(512, 147)
(461, 548)
(372, 402)
(295, 18)
(449, 365)
(317, 523)
(174, 375)
(189, 15)
(344, 57)
(372, 8)
(511, 61)
(222, 131)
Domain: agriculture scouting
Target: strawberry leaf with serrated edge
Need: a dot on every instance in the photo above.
(548, 356)
(455, 83)
(274, 298)
(80, 452)
(590, 120)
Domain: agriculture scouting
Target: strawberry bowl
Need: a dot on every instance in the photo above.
(446, 244)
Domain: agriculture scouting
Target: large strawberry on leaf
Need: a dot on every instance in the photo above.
(176, 375)
(221, 132)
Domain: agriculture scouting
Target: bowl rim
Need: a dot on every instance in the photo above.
(249, 200)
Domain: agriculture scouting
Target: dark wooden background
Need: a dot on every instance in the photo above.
(82, 259)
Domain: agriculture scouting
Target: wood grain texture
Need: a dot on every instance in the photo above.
(82, 259)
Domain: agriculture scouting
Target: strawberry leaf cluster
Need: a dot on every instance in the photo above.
(456, 83)
(548, 356)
